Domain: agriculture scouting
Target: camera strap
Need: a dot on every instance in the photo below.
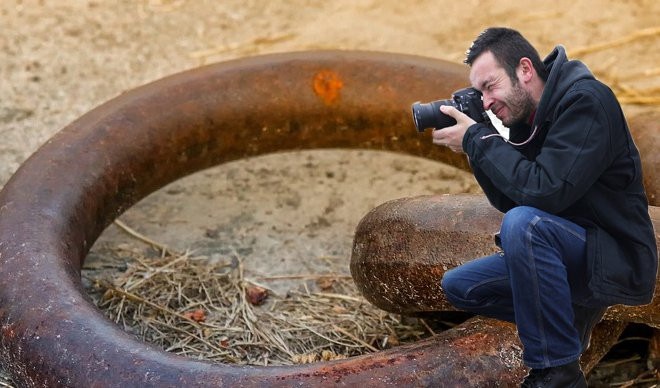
(510, 142)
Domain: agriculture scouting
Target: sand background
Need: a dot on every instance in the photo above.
(290, 212)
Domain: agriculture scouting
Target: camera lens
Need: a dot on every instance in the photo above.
(429, 115)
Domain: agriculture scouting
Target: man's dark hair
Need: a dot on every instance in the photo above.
(508, 47)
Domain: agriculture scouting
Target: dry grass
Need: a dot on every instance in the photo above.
(619, 83)
(203, 309)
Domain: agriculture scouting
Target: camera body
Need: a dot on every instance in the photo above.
(466, 100)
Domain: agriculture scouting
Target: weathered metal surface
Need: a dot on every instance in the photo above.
(403, 247)
(604, 335)
(645, 129)
(59, 201)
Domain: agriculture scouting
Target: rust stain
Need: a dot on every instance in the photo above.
(327, 85)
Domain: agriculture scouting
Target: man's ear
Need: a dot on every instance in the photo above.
(525, 70)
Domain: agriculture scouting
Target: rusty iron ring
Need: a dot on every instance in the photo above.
(61, 199)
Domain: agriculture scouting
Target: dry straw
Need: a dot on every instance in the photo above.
(204, 309)
(626, 93)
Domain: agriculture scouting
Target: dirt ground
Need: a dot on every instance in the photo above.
(59, 59)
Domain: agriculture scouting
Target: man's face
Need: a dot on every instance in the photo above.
(508, 100)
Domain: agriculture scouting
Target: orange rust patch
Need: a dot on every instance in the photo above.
(437, 271)
(477, 344)
(327, 86)
(474, 341)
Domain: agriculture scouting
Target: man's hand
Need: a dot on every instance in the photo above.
(452, 137)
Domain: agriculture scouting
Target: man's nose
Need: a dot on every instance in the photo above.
(488, 101)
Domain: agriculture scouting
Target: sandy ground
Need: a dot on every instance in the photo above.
(59, 59)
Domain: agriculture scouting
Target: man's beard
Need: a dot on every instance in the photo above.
(520, 104)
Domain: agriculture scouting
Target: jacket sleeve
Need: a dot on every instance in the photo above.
(575, 152)
(496, 198)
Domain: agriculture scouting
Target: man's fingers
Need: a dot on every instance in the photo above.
(444, 132)
(456, 114)
(452, 136)
(438, 135)
(443, 137)
(450, 111)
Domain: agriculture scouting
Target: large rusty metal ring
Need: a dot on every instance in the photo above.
(60, 200)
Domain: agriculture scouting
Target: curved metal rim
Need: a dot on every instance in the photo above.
(60, 200)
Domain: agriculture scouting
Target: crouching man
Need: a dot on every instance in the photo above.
(576, 236)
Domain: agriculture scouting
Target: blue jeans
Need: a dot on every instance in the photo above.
(533, 283)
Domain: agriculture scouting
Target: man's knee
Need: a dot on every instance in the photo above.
(452, 286)
(448, 282)
(516, 222)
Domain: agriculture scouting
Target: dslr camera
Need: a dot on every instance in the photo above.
(466, 100)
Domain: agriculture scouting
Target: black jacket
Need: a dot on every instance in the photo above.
(583, 166)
